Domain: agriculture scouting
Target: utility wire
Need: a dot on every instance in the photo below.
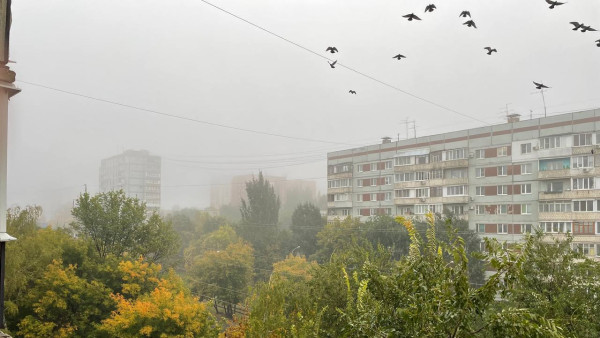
(344, 66)
(156, 112)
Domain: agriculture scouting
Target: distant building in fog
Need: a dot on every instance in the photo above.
(232, 193)
(136, 172)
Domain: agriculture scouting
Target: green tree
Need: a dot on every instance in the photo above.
(339, 236)
(262, 208)
(306, 224)
(118, 225)
(22, 221)
(385, 231)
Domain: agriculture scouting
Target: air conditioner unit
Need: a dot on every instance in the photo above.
(536, 148)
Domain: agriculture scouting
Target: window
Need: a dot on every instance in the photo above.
(555, 164)
(502, 170)
(555, 206)
(525, 228)
(373, 182)
(456, 190)
(359, 197)
(526, 148)
(583, 228)
(480, 191)
(402, 160)
(436, 174)
(457, 209)
(421, 209)
(550, 142)
(554, 187)
(480, 153)
(359, 168)
(455, 154)
(405, 177)
(422, 192)
(359, 182)
(582, 162)
(373, 166)
(582, 140)
(404, 193)
(455, 173)
(422, 159)
(502, 151)
(526, 189)
(346, 212)
(597, 228)
(340, 197)
(388, 164)
(584, 183)
(502, 228)
(345, 182)
(436, 191)
(436, 157)
(502, 190)
(556, 227)
(583, 206)
(421, 175)
(388, 180)
(480, 210)
(479, 172)
(583, 248)
(526, 168)
(480, 228)
(388, 196)
(404, 210)
(502, 209)
(373, 197)
(525, 209)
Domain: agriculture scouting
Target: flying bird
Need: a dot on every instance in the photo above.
(351, 91)
(586, 28)
(332, 64)
(399, 56)
(411, 17)
(331, 50)
(470, 23)
(539, 85)
(576, 24)
(490, 50)
(464, 14)
(430, 8)
(598, 42)
(554, 3)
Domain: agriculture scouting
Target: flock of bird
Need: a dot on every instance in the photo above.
(470, 23)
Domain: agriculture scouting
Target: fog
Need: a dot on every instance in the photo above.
(215, 96)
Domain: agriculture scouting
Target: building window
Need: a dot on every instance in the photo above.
(502, 170)
(421, 209)
(388, 196)
(480, 210)
(597, 228)
(583, 248)
(555, 164)
(436, 157)
(346, 212)
(525, 228)
(525, 209)
(422, 159)
(479, 172)
(583, 206)
(359, 168)
(582, 162)
(373, 166)
(480, 153)
(388, 180)
(455, 154)
(404, 193)
(582, 140)
(585, 183)
(502, 151)
(388, 164)
(436, 191)
(373, 182)
(359, 197)
(555, 206)
(436, 174)
(457, 209)
(422, 192)
(402, 160)
(554, 187)
(404, 177)
(502, 209)
(480, 228)
(421, 175)
(526, 148)
(502, 228)
(455, 173)
(340, 197)
(526, 189)
(502, 190)
(550, 142)
(456, 190)
(526, 168)
(556, 227)
(480, 191)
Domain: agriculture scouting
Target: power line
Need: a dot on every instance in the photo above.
(156, 112)
(344, 66)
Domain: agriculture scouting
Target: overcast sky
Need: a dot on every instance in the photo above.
(189, 59)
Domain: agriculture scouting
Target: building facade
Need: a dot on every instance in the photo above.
(505, 179)
(137, 173)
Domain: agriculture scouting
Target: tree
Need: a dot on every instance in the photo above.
(22, 221)
(385, 231)
(339, 236)
(262, 208)
(118, 225)
(306, 224)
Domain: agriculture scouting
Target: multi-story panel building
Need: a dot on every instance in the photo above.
(506, 179)
(137, 173)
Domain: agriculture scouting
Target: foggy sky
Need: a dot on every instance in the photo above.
(186, 58)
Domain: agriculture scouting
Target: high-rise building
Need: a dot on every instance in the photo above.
(505, 179)
(136, 172)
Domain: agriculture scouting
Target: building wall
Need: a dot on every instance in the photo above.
(505, 179)
(136, 172)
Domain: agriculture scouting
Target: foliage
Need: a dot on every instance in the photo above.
(339, 236)
(263, 204)
(117, 225)
(21, 222)
(167, 311)
(293, 199)
(294, 268)
(306, 224)
(385, 231)
(64, 305)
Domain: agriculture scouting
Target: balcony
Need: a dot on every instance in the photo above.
(554, 174)
(570, 194)
(339, 190)
(347, 174)
(431, 200)
(568, 216)
(342, 204)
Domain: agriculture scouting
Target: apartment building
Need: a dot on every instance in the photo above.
(136, 172)
(505, 179)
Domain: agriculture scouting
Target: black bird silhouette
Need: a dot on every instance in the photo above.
(430, 8)
(352, 91)
(576, 24)
(332, 64)
(598, 42)
(490, 50)
(470, 23)
(539, 85)
(554, 3)
(464, 14)
(586, 28)
(411, 17)
(331, 50)
(399, 56)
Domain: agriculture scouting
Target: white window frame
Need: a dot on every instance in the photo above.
(526, 189)
(582, 183)
(502, 190)
(480, 153)
(526, 168)
(579, 162)
(502, 228)
(480, 191)
(585, 137)
(503, 172)
(550, 142)
(502, 151)
(479, 172)
(526, 209)
(577, 205)
(526, 148)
